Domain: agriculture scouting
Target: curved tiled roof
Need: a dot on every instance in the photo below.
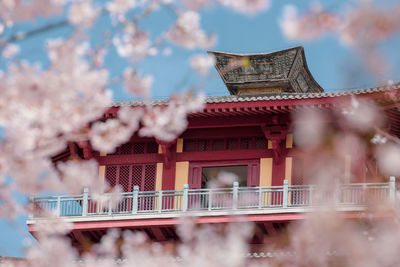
(268, 97)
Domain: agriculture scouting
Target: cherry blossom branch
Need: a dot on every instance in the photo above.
(24, 35)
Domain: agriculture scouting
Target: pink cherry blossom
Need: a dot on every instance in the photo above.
(134, 46)
(369, 24)
(106, 136)
(187, 32)
(10, 51)
(77, 175)
(82, 14)
(246, 6)
(309, 26)
(12, 11)
(362, 115)
(197, 4)
(130, 116)
(167, 123)
(120, 7)
(202, 63)
(388, 156)
(135, 85)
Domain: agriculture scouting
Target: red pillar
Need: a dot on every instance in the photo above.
(168, 177)
(278, 172)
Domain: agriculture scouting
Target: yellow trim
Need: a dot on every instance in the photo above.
(179, 145)
(102, 154)
(159, 176)
(159, 149)
(289, 141)
(266, 177)
(269, 144)
(102, 172)
(266, 172)
(181, 174)
(288, 170)
(288, 174)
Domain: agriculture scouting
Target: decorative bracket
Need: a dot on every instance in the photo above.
(87, 149)
(277, 136)
(166, 151)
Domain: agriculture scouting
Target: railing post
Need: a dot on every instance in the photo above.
(311, 195)
(32, 209)
(235, 195)
(185, 197)
(135, 198)
(110, 205)
(338, 194)
(285, 199)
(260, 197)
(58, 209)
(210, 199)
(85, 202)
(392, 188)
(160, 195)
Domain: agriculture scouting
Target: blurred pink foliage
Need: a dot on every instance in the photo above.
(43, 110)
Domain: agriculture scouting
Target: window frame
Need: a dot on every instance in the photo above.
(195, 171)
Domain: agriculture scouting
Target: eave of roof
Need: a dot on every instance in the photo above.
(268, 97)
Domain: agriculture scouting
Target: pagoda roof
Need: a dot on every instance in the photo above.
(280, 71)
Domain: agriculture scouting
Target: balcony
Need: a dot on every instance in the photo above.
(236, 200)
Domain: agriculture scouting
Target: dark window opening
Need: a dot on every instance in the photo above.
(218, 144)
(260, 142)
(136, 148)
(127, 176)
(189, 145)
(210, 174)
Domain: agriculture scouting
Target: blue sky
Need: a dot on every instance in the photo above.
(334, 66)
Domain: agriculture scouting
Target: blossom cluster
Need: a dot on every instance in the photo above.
(47, 109)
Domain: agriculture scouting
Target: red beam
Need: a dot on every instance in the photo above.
(129, 159)
(158, 234)
(240, 154)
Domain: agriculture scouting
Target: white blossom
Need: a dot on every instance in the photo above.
(388, 156)
(247, 6)
(13, 11)
(368, 24)
(167, 123)
(106, 136)
(134, 46)
(77, 175)
(378, 139)
(197, 4)
(187, 32)
(82, 14)
(10, 51)
(202, 63)
(135, 85)
(131, 117)
(120, 7)
(362, 115)
(308, 26)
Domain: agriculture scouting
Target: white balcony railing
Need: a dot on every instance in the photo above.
(235, 198)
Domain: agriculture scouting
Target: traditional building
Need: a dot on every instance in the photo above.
(248, 133)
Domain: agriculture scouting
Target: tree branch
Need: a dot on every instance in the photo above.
(24, 35)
